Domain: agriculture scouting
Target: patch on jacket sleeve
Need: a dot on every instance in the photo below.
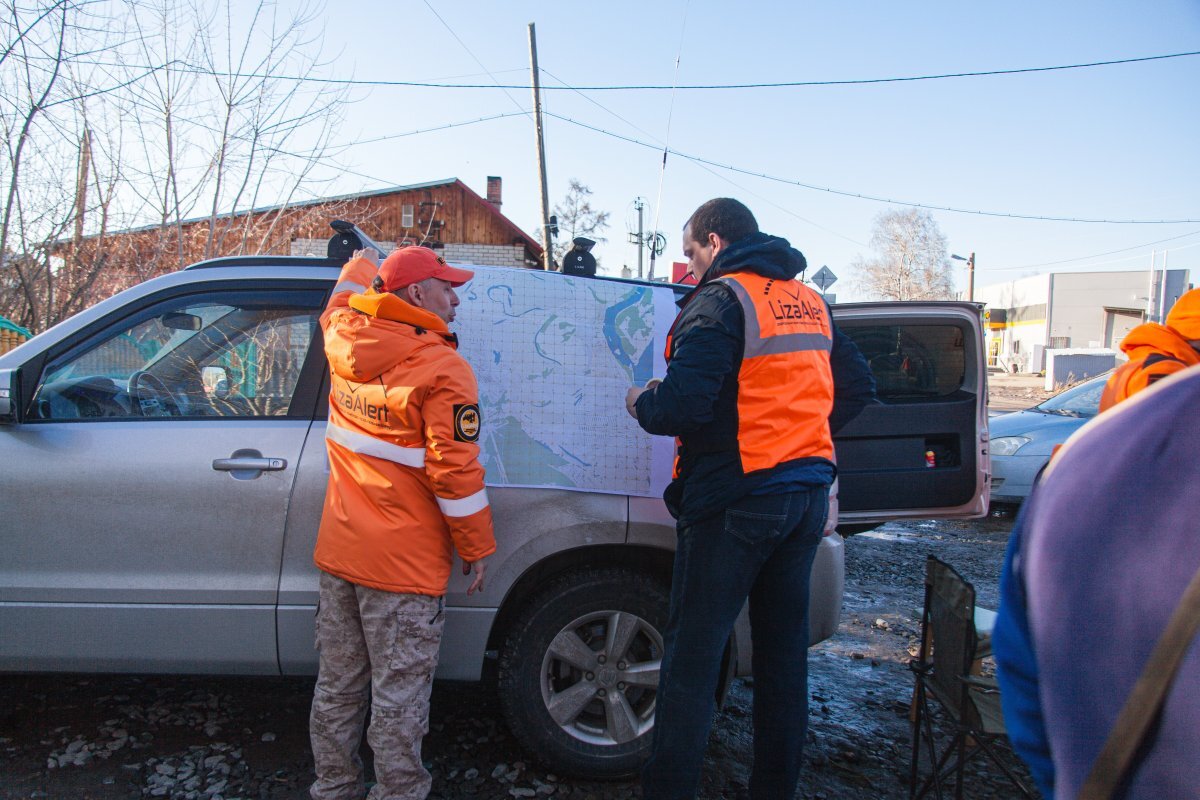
(466, 422)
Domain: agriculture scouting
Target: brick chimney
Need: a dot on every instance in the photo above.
(493, 191)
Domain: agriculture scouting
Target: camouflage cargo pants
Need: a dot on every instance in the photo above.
(378, 649)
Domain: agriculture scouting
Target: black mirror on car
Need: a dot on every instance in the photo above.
(347, 238)
(9, 397)
(178, 321)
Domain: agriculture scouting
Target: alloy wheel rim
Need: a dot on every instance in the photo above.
(599, 677)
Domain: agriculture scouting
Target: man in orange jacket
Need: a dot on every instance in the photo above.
(754, 363)
(405, 491)
(1156, 351)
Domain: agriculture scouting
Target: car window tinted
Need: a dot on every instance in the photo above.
(235, 354)
(1082, 400)
(911, 361)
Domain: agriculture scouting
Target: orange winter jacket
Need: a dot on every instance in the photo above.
(405, 483)
(1155, 351)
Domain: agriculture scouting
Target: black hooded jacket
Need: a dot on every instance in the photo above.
(697, 401)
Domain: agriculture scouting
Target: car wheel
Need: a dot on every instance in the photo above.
(847, 529)
(578, 674)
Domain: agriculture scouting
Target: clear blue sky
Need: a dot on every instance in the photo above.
(1113, 142)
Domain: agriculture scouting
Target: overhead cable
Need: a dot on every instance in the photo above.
(1101, 255)
(719, 176)
(193, 69)
(873, 198)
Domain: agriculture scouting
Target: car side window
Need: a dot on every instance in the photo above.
(226, 354)
(912, 362)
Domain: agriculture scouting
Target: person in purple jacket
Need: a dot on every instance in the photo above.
(1096, 564)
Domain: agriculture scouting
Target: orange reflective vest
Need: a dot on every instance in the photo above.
(405, 484)
(784, 381)
(1155, 351)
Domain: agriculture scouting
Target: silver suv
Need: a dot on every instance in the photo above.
(164, 471)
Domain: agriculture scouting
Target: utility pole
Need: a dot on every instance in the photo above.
(547, 239)
(971, 278)
(1150, 287)
(1162, 291)
(639, 205)
(970, 274)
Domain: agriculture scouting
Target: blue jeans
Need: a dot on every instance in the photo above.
(761, 547)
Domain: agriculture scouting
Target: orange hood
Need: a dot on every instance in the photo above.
(385, 331)
(1150, 338)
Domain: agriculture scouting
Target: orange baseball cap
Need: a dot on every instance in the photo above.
(1184, 317)
(409, 265)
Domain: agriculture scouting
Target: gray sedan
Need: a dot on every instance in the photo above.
(1023, 441)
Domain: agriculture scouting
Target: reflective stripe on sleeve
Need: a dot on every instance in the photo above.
(465, 506)
(349, 286)
(366, 445)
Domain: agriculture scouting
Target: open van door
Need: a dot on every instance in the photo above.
(921, 451)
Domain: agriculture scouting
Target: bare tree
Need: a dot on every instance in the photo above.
(576, 217)
(37, 46)
(910, 260)
(165, 114)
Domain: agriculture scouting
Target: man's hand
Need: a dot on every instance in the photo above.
(635, 392)
(631, 399)
(479, 567)
(368, 253)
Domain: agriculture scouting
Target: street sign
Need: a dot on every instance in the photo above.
(824, 278)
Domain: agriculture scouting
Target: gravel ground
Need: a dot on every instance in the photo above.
(202, 738)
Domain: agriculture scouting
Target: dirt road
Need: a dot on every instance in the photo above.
(199, 738)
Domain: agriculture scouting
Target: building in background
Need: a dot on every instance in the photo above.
(444, 214)
(1072, 310)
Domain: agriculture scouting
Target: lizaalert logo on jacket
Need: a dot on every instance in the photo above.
(466, 422)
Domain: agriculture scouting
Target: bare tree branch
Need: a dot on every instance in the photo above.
(911, 260)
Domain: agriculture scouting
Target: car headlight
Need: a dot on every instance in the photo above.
(1009, 445)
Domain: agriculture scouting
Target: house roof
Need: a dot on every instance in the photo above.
(532, 243)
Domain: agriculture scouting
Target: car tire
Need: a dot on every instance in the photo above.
(848, 529)
(578, 672)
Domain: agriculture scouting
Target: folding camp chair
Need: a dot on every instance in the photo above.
(943, 670)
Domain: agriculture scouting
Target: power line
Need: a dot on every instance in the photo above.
(873, 198)
(1097, 263)
(1098, 255)
(904, 79)
(497, 84)
(707, 168)
(191, 68)
(447, 126)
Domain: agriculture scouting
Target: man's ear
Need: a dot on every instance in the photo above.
(715, 242)
(412, 293)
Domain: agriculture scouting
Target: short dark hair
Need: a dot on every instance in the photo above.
(725, 217)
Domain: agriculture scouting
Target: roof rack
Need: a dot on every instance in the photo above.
(347, 238)
(265, 261)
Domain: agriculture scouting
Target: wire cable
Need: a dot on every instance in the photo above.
(477, 61)
(1085, 267)
(690, 87)
(1101, 255)
(873, 198)
(662, 172)
(719, 176)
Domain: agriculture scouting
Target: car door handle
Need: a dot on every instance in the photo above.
(259, 464)
(245, 465)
